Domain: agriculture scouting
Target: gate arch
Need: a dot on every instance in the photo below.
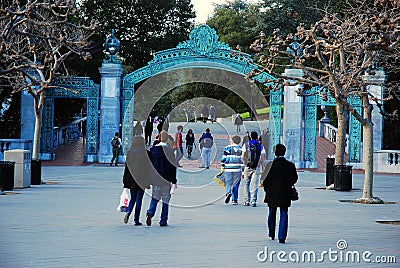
(72, 87)
(202, 50)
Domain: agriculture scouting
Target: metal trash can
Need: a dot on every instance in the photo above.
(342, 177)
(7, 175)
(36, 171)
(329, 171)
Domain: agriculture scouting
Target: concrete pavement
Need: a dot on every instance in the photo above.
(74, 223)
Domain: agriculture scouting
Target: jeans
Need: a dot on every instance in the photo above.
(283, 222)
(235, 192)
(136, 198)
(205, 157)
(231, 179)
(160, 193)
(252, 180)
(115, 152)
(189, 150)
(179, 155)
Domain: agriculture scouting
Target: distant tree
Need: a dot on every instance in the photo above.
(10, 122)
(36, 39)
(288, 14)
(235, 23)
(143, 27)
(346, 46)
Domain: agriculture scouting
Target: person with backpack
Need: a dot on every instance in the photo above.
(253, 155)
(206, 142)
(116, 148)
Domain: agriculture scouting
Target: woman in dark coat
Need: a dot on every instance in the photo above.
(190, 142)
(277, 185)
(136, 176)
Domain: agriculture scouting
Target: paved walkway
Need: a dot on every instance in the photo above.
(73, 222)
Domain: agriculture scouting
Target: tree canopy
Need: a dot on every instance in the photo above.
(143, 27)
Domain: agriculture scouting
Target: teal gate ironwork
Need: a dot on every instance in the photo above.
(72, 87)
(202, 50)
(311, 101)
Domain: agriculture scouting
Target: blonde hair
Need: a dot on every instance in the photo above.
(163, 136)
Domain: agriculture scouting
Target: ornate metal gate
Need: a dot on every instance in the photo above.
(202, 50)
(311, 100)
(79, 87)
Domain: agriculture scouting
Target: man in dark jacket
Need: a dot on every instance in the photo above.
(162, 176)
(148, 130)
(277, 186)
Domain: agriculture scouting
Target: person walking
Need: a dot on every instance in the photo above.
(163, 179)
(178, 145)
(206, 142)
(165, 125)
(148, 130)
(212, 113)
(116, 145)
(233, 164)
(204, 113)
(138, 128)
(190, 142)
(160, 124)
(136, 176)
(277, 186)
(238, 122)
(253, 154)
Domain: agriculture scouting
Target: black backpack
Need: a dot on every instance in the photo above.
(115, 143)
(253, 155)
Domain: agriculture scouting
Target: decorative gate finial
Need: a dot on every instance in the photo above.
(112, 46)
(203, 40)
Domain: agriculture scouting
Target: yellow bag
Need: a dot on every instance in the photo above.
(219, 178)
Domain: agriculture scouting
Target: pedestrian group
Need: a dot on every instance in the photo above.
(157, 167)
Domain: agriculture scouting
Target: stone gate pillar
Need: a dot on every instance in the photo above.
(110, 110)
(27, 116)
(292, 119)
(375, 83)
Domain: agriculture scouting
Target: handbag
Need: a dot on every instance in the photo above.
(124, 200)
(294, 195)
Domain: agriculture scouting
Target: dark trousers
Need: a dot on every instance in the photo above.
(115, 152)
(136, 198)
(147, 138)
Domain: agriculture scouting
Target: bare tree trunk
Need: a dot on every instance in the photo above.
(368, 161)
(367, 196)
(38, 105)
(343, 119)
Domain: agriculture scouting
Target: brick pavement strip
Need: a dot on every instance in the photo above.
(75, 224)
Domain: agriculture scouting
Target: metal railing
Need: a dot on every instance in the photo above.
(384, 160)
(330, 133)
